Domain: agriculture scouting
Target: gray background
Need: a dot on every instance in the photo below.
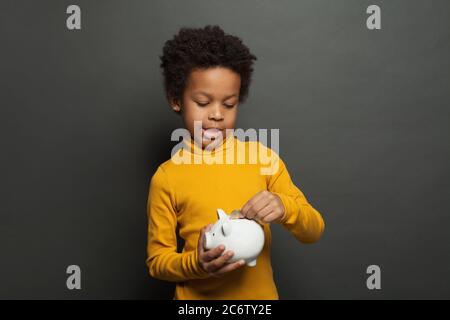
(363, 116)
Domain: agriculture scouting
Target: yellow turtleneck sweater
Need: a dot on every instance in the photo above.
(188, 195)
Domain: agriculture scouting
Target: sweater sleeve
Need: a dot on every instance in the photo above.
(300, 218)
(163, 260)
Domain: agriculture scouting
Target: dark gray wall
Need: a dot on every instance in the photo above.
(363, 116)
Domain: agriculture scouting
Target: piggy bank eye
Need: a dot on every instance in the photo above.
(213, 234)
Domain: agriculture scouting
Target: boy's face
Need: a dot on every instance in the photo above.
(211, 96)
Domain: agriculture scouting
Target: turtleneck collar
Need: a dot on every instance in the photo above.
(191, 146)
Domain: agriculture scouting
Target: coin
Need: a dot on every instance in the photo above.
(235, 214)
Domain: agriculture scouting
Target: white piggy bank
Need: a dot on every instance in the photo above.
(244, 237)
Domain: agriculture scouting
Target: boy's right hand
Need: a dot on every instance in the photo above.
(211, 260)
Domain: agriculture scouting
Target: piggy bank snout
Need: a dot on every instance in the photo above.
(207, 244)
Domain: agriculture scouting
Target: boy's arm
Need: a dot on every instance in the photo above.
(300, 218)
(163, 260)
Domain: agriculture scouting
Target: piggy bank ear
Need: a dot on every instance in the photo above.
(226, 229)
(221, 214)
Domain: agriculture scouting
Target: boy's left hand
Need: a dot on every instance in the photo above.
(265, 207)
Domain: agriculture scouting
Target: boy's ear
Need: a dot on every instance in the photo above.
(174, 104)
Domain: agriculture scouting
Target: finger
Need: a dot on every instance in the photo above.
(212, 254)
(257, 206)
(249, 203)
(265, 211)
(271, 217)
(218, 263)
(230, 267)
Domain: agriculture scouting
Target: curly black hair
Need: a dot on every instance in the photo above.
(201, 48)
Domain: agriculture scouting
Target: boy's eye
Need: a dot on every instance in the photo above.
(202, 104)
(229, 105)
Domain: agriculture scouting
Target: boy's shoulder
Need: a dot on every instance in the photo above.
(262, 150)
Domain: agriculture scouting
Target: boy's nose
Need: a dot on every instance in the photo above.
(216, 113)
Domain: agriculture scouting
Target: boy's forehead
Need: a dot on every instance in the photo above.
(213, 82)
(211, 95)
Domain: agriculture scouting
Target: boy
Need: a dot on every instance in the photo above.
(207, 73)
